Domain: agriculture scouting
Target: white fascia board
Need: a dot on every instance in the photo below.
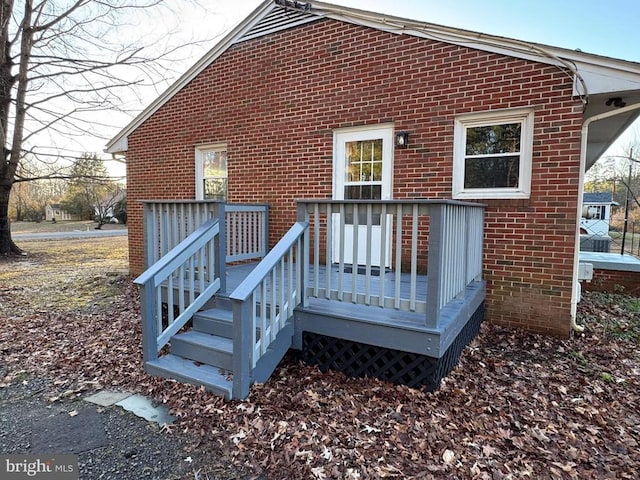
(119, 145)
(600, 74)
(466, 38)
(263, 9)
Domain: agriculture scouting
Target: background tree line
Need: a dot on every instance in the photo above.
(85, 191)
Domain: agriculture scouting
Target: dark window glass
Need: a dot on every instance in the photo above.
(493, 139)
(492, 172)
(363, 192)
(215, 189)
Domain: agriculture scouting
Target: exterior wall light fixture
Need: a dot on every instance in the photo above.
(616, 102)
(402, 139)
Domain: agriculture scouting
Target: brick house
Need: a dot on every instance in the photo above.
(270, 114)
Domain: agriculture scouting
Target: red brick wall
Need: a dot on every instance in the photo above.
(276, 100)
(614, 281)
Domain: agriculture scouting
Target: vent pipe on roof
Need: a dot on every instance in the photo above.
(293, 5)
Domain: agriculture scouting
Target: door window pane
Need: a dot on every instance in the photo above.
(363, 161)
(363, 192)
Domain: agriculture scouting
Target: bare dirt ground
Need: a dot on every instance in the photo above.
(519, 405)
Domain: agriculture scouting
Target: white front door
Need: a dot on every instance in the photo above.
(363, 165)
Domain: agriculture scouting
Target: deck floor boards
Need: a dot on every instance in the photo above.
(371, 324)
(237, 273)
(370, 314)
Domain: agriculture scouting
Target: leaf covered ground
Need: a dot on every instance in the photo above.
(518, 405)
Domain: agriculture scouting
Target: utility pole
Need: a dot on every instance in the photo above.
(626, 203)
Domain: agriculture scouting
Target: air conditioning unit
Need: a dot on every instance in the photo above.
(595, 243)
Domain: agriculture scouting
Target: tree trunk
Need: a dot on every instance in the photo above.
(11, 156)
(7, 247)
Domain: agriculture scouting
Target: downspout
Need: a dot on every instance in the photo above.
(583, 163)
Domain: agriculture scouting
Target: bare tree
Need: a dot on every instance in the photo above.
(106, 206)
(61, 63)
(29, 199)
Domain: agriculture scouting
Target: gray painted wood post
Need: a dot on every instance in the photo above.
(149, 323)
(303, 216)
(478, 241)
(242, 348)
(435, 265)
(148, 234)
(220, 247)
(265, 226)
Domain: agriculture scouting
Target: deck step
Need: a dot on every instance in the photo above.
(187, 371)
(204, 348)
(215, 321)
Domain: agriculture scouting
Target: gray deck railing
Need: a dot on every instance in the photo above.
(247, 231)
(168, 222)
(442, 238)
(455, 253)
(184, 280)
(264, 302)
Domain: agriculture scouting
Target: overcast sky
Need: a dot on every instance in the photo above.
(604, 27)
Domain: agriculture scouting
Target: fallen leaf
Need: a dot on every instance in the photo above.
(370, 429)
(319, 473)
(449, 457)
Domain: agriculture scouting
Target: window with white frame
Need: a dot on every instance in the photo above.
(211, 172)
(492, 154)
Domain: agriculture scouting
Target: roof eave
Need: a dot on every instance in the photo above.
(583, 62)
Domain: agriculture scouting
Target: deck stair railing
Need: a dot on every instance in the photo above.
(442, 238)
(263, 304)
(184, 280)
(168, 222)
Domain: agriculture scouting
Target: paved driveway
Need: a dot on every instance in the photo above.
(73, 234)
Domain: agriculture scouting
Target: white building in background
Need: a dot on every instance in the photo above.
(596, 213)
(55, 211)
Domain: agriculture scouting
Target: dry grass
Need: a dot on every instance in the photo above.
(66, 275)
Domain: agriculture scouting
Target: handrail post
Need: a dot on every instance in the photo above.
(265, 230)
(475, 233)
(435, 264)
(220, 247)
(242, 348)
(148, 234)
(302, 213)
(149, 323)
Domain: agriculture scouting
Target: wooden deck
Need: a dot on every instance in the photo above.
(371, 324)
(229, 324)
